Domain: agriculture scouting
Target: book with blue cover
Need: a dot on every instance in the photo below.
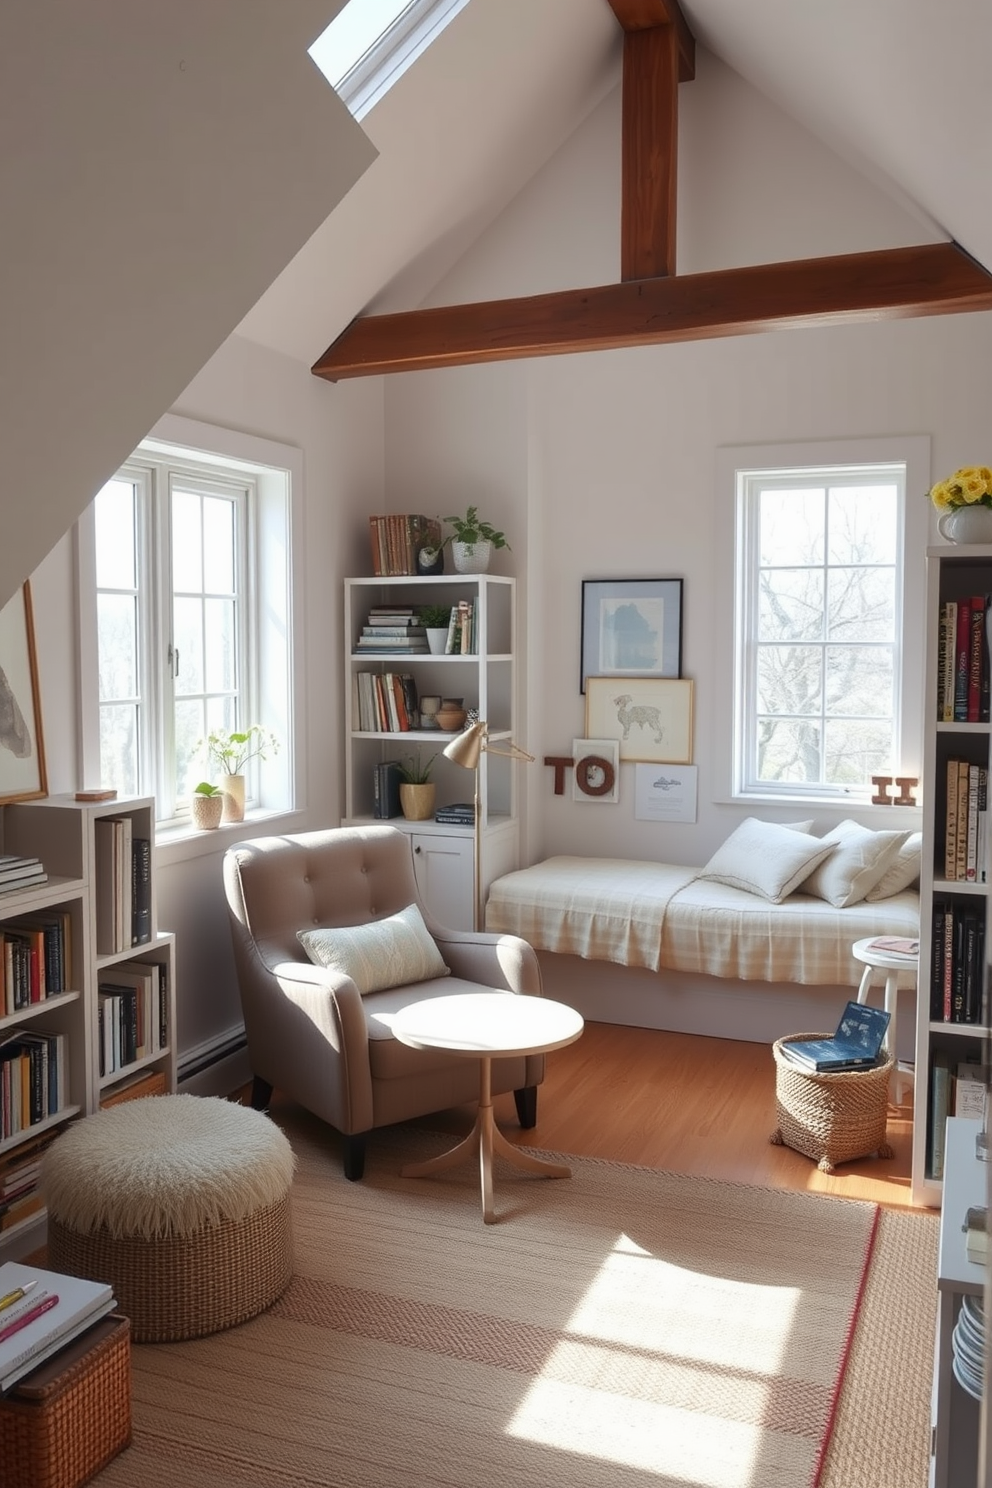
(856, 1044)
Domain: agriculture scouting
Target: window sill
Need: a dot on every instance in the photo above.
(176, 844)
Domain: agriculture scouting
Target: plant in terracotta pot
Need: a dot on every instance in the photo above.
(473, 541)
(206, 806)
(232, 750)
(417, 790)
(435, 618)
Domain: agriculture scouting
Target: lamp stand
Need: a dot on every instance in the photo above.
(477, 858)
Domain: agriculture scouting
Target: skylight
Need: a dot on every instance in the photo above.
(370, 44)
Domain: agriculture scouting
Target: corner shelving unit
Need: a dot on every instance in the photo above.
(486, 681)
(953, 573)
(63, 833)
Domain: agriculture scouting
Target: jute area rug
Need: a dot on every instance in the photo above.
(621, 1327)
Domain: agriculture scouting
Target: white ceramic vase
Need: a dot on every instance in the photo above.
(437, 639)
(233, 787)
(471, 558)
(966, 524)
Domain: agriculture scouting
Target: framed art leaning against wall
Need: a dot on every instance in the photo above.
(22, 750)
(631, 628)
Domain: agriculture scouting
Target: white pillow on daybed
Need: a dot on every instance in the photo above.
(766, 858)
(902, 873)
(859, 862)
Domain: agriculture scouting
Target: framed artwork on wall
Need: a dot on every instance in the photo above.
(631, 628)
(596, 776)
(22, 750)
(651, 718)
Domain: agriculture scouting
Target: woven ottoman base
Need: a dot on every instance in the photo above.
(181, 1203)
(830, 1118)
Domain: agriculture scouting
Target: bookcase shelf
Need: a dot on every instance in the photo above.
(952, 992)
(486, 681)
(64, 834)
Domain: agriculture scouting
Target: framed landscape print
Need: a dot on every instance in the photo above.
(652, 719)
(631, 628)
(22, 752)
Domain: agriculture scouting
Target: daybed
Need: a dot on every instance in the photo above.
(690, 951)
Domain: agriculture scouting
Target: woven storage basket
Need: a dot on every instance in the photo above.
(185, 1286)
(831, 1118)
(65, 1422)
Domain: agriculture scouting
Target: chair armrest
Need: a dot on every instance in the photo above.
(504, 961)
(333, 1004)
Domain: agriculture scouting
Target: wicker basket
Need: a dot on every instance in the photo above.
(831, 1118)
(65, 1421)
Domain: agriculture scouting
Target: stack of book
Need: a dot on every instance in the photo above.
(386, 703)
(958, 983)
(463, 639)
(42, 1311)
(20, 1178)
(132, 1014)
(855, 1046)
(957, 1088)
(963, 660)
(397, 539)
(35, 957)
(459, 814)
(393, 628)
(20, 873)
(33, 1080)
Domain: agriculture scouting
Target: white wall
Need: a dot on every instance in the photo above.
(602, 465)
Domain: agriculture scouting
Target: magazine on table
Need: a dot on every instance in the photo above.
(856, 1044)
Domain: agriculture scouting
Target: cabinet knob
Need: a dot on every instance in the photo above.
(417, 849)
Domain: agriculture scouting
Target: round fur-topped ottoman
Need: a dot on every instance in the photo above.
(181, 1203)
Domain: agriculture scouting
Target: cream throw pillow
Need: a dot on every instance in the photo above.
(384, 953)
(902, 872)
(858, 863)
(766, 858)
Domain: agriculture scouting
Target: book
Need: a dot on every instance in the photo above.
(855, 1045)
(948, 643)
(386, 790)
(141, 890)
(971, 1081)
(895, 945)
(976, 648)
(961, 661)
(79, 1304)
(951, 820)
(940, 1106)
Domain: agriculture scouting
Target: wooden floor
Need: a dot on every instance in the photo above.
(687, 1104)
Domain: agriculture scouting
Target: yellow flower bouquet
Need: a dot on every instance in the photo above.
(969, 486)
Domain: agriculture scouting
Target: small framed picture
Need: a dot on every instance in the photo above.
(665, 793)
(596, 771)
(651, 719)
(631, 628)
(22, 750)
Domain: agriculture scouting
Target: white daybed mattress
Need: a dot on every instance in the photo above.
(659, 915)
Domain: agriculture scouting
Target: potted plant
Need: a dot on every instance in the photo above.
(417, 790)
(435, 619)
(206, 806)
(473, 541)
(232, 750)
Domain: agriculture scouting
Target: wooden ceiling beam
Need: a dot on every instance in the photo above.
(649, 156)
(645, 15)
(934, 279)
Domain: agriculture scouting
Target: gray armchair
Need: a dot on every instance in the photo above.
(311, 1034)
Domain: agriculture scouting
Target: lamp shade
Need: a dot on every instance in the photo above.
(466, 748)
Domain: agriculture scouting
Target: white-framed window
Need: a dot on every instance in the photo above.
(826, 647)
(369, 45)
(185, 562)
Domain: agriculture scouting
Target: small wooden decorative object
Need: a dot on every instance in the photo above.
(882, 783)
(905, 784)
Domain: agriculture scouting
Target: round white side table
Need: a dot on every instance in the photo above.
(891, 964)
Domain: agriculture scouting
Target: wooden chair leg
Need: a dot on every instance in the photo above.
(354, 1156)
(261, 1094)
(526, 1103)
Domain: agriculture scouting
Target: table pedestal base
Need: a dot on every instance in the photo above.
(487, 1138)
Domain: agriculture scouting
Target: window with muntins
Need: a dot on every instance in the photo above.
(185, 570)
(819, 604)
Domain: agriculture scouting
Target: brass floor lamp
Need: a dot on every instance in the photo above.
(466, 749)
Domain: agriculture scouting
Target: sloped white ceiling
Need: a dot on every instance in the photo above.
(162, 163)
(896, 88)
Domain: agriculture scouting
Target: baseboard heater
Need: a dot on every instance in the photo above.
(195, 1061)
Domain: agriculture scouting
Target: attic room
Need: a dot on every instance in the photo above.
(195, 221)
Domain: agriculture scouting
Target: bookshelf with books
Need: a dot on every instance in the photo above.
(90, 924)
(953, 1012)
(384, 719)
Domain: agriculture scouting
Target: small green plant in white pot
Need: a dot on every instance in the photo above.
(417, 790)
(474, 541)
(232, 750)
(435, 619)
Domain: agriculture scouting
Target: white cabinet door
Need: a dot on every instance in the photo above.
(445, 875)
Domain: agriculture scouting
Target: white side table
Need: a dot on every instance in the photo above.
(891, 964)
(487, 1026)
